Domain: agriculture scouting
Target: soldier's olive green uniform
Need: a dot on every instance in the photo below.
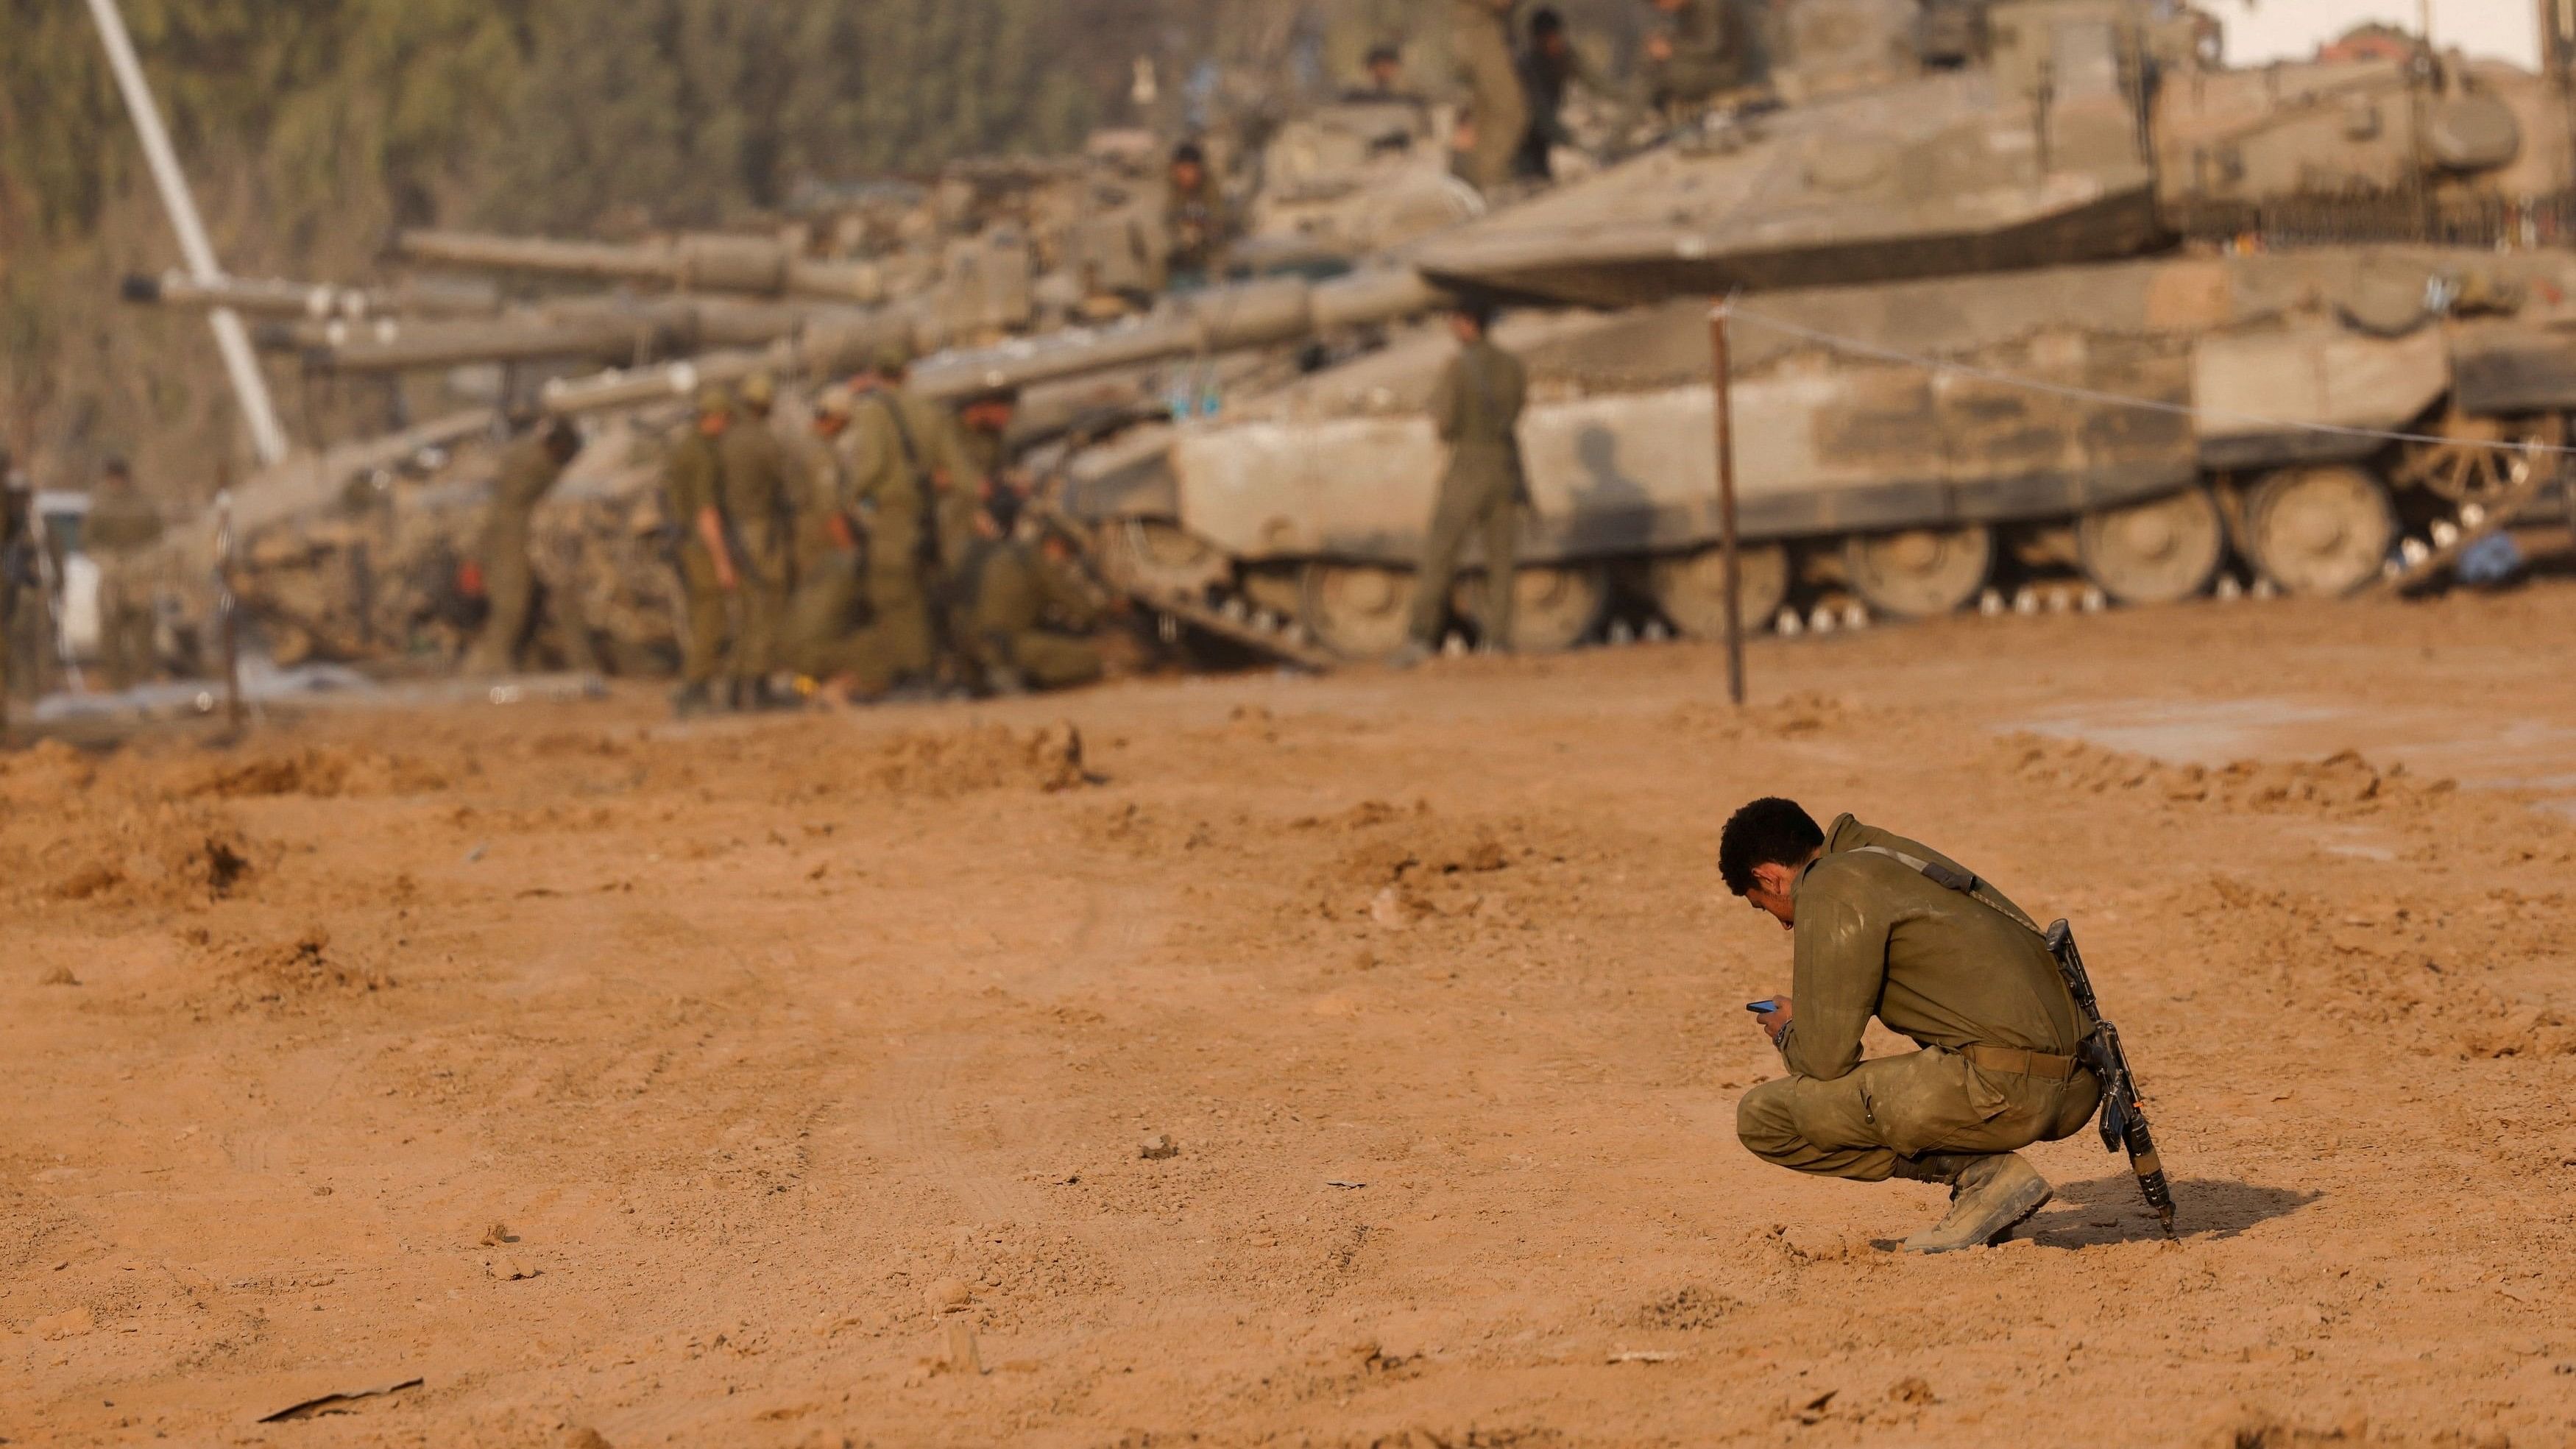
(691, 482)
(759, 507)
(903, 470)
(1972, 984)
(815, 471)
(1480, 45)
(1196, 230)
(528, 473)
(1712, 53)
(1007, 596)
(119, 536)
(1477, 408)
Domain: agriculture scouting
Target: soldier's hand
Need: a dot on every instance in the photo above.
(1775, 1022)
(1659, 47)
(726, 578)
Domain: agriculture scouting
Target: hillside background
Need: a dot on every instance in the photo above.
(313, 128)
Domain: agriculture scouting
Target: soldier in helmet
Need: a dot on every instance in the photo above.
(906, 474)
(830, 600)
(693, 499)
(529, 470)
(761, 509)
(1020, 612)
(120, 535)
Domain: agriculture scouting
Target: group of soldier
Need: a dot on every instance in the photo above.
(886, 555)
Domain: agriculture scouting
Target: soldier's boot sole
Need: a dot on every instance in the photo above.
(1990, 1202)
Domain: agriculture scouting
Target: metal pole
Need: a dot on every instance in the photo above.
(1724, 381)
(227, 609)
(267, 438)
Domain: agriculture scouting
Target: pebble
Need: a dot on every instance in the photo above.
(950, 1294)
(1157, 1147)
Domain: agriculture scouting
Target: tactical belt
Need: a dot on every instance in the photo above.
(2020, 1063)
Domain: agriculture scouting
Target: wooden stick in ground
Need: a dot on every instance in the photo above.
(1724, 382)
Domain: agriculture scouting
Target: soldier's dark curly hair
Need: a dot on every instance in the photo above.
(1769, 831)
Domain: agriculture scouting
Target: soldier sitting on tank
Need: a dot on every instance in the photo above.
(1384, 70)
(1196, 226)
(1962, 973)
(1018, 611)
(1706, 55)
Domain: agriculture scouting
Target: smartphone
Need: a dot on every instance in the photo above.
(1764, 1007)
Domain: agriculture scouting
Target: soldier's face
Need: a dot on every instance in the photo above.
(1772, 893)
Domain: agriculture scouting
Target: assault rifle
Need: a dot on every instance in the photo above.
(2123, 1123)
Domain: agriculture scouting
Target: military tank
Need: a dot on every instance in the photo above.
(2069, 297)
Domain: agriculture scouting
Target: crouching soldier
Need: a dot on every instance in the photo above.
(1019, 613)
(1960, 970)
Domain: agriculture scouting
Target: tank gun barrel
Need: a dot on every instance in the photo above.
(278, 297)
(701, 262)
(1222, 319)
(620, 330)
(826, 346)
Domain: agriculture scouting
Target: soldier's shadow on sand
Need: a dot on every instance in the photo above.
(2109, 1210)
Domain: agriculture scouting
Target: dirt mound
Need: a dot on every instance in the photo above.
(1802, 713)
(172, 854)
(320, 771)
(989, 757)
(46, 770)
(2342, 783)
(277, 969)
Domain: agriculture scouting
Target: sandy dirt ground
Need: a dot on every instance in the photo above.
(792, 1081)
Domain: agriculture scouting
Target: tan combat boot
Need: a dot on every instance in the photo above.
(1992, 1196)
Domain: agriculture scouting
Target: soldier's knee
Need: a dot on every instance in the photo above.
(1764, 1123)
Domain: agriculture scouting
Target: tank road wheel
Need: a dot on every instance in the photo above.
(2466, 468)
(1358, 611)
(1691, 588)
(2154, 552)
(1920, 572)
(2321, 531)
(1552, 607)
(1156, 559)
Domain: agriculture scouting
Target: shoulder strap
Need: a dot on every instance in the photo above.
(902, 432)
(1955, 880)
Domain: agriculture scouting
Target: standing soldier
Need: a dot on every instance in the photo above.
(1550, 67)
(1480, 44)
(825, 610)
(904, 467)
(119, 536)
(757, 502)
(1477, 409)
(693, 502)
(529, 470)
